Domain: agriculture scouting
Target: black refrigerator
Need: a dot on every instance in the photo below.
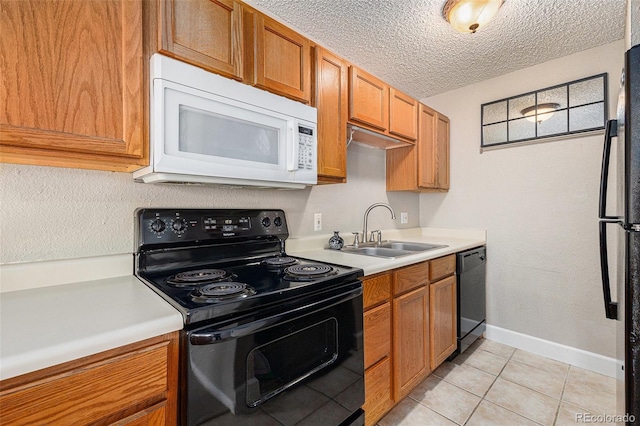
(624, 221)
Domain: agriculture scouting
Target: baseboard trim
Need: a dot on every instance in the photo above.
(567, 354)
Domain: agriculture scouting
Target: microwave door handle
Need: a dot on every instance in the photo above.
(293, 151)
(610, 132)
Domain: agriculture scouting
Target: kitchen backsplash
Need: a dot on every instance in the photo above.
(53, 213)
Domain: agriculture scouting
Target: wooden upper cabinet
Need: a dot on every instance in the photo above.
(403, 115)
(282, 59)
(433, 150)
(205, 33)
(73, 84)
(331, 99)
(368, 99)
(424, 167)
(442, 152)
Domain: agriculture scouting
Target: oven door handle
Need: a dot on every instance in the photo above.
(218, 335)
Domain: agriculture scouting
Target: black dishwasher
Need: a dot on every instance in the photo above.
(471, 270)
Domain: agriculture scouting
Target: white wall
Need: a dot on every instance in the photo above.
(51, 213)
(632, 28)
(538, 204)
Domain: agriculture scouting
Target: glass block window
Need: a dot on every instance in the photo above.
(574, 107)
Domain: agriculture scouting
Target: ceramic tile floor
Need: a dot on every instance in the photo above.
(494, 384)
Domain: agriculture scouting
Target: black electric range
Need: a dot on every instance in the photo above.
(262, 328)
(212, 263)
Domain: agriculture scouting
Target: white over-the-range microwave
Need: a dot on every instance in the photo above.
(208, 129)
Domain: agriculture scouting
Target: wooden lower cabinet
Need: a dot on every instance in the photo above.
(443, 319)
(409, 330)
(410, 340)
(136, 384)
(378, 385)
(377, 390)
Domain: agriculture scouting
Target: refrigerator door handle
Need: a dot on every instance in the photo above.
(610, 132)
(610, 308)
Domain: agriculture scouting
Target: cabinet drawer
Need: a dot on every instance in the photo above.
(155, 415)
(376, 289)
(92, 392)
(410, 277)
(442, 267)
(377, 391)
(377, 334)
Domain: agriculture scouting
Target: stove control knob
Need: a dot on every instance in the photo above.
(158, 226)
(277, 221)
(179, 225)
(266, 222)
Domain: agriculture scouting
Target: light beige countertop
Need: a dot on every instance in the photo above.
(456, 241)
(42, 327)
(57, 311)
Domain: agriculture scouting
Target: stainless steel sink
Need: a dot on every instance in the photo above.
(387, 252)
(391, 249)
(400, 245)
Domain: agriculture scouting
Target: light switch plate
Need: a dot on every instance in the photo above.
(404, 217)
(317, 222)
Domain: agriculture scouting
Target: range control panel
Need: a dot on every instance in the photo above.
(159, 226)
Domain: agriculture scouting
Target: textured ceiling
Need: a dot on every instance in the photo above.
(408, 43)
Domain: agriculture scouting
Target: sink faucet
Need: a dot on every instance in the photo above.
(366, 217)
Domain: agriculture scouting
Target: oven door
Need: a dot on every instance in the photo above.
(301, 362)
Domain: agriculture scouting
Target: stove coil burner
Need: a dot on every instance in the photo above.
(308, 272)
(279, 262)
(220, 291)
(198, 277)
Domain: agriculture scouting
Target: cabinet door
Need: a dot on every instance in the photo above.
(72, 84)
(443, 320)
(403, 115)
(206, 33)
(331, 100)
(433, 150)
(410, 340)
(282, 59)
(442, 152)
(368, 99)
(427, 148)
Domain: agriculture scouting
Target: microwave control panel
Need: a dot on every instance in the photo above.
(306, 151)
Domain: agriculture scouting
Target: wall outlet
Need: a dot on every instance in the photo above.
(317, 222)
(404, 217)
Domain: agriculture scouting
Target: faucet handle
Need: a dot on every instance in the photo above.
(356, 239)
(372, 237)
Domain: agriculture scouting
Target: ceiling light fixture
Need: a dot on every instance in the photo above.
(467, 16)
(540, 114)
